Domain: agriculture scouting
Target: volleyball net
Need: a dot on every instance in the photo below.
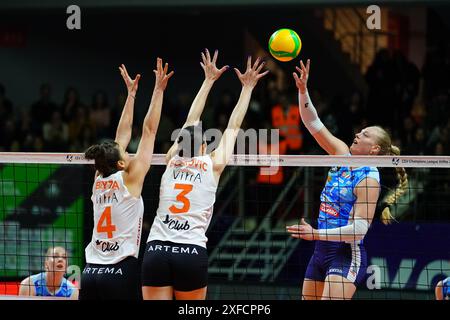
(45, 202)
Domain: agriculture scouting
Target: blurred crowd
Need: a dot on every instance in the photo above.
(412, 104)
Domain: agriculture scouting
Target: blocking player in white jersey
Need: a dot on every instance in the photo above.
(112, 269)
(176, 261)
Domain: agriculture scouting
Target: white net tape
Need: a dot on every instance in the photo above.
(255, 160)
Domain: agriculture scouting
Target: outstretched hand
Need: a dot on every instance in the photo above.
(302, 81)
(161, 74)
(132, 84)
(252, 74)
(302, 231)
(209, 66)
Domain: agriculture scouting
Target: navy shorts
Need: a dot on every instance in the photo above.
(338, 258)
(181, 266)
(118, 281)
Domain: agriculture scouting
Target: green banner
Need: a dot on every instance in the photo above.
(40, 206)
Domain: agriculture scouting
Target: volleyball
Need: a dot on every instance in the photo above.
(285, 44)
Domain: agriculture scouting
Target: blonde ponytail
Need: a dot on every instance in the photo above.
(392, 197)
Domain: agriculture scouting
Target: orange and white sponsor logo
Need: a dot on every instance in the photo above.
(193, 164)
(107, 185)
(326, 208)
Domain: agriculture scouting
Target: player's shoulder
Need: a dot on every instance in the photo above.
(369, 171)
(26, 281)
(37, 276)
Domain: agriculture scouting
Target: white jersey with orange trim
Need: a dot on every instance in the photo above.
(117, 221)
(186, 200)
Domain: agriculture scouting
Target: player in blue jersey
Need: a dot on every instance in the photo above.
(50, 283)
(348, 203)
(442, 290)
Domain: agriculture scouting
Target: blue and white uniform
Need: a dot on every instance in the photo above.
(40, 285)
(346, 259)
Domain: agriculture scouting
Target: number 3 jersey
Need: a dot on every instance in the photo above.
(186, 200)
(117, 221)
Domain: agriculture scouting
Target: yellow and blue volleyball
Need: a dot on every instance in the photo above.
(285, 44)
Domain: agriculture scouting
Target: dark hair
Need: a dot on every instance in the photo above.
(189, 141)
(106, 156)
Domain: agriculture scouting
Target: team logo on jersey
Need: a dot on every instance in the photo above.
(343, 191)
(107, 246)
(328, 209)
(174, 224)
(105, 270)
(345, 174)
(174, 249)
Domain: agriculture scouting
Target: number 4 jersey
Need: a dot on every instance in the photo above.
(117, 221)
(186, 200)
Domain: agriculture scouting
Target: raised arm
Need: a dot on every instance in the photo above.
(249, 79)
(324, 138)
(366, 192)
(212, 73)
(140, 164)
(123, 133)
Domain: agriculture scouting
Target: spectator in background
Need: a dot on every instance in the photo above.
(166, 128)
(51, 282)
(42, 109)
(436, 72)
(8, 134)
(5, 105)
(418, 146)
(100, 115)
(381, 81)
(28, 143)
(56, 133)
(355, 108)
(407, 133)
(78, 125)
(326, 113)
(24, 126)
(70, 104)
(222, 121)
(38, 144)
(136, 138)
(224, 106)
(178, 108)
(439, 149)
(407, 78)
(438, 110)
(286, 118)
(116, 112)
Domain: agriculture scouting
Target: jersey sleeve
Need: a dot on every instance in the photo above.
(366, 172)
